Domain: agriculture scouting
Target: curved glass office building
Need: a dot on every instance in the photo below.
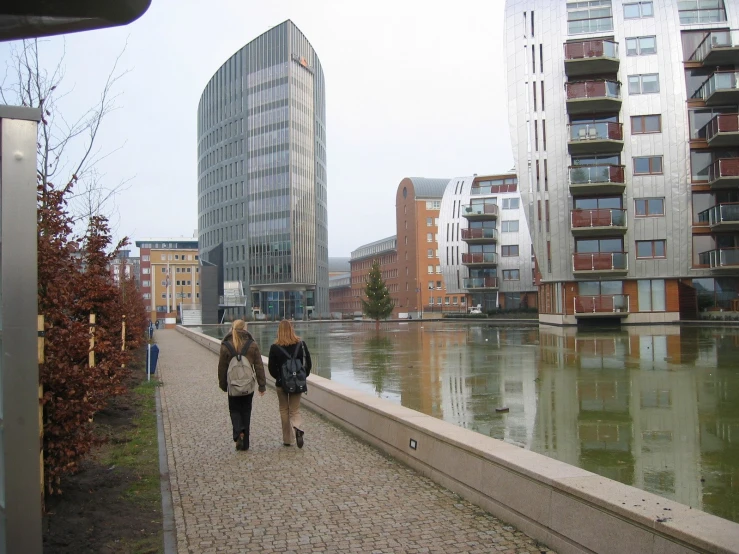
(262, 174)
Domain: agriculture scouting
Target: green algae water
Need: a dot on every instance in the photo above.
(656, 407)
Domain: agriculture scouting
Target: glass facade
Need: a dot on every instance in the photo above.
(262, 193)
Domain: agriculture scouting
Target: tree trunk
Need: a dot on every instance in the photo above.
(377, 325)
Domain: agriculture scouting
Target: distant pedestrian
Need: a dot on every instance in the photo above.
(157, 324)
(240, 342)
(287, 349)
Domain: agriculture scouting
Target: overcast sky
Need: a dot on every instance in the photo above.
(413, 88)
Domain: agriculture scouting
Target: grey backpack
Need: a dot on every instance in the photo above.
(241, 377)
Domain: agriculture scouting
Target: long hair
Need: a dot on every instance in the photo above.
(237, 328)
(286, 334)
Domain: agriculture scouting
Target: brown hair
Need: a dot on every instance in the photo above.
(236, 327)
(286, 334)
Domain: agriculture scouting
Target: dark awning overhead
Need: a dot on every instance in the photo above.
(37, 18)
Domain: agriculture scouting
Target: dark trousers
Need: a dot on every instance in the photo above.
(240, 409)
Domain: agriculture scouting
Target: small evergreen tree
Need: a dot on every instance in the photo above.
(378, 305)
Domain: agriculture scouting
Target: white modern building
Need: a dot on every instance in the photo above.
(624, 119)
(484, 243)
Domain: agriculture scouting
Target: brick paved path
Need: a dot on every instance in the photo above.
(337, 494)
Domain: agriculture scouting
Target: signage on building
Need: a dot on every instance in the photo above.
(303, 62)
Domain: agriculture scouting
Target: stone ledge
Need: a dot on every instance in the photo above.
(565, 507)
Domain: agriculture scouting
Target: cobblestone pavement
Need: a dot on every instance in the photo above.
(337, 494)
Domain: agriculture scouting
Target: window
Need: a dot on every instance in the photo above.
(638, 10)
(511, 275)
(438, 300)
(641, 46)
(446, 300)
(429, 237)
(649, 207)
(454, 300)
(589, 16)
(644, 84)
(648, 165)
(429, 221)
(438, 269)
(642, 124)
(430, 253)
(431, 285)
(431, 300)
(510, 203)
(509, 226)
(650, 249)
(701, 11)
(145, 258)
(433, 204)
(438, 285)
(146, 270)
(164, 256)
(147, 296)
(651, 295)
(176, 256)
(509, 250)
(145, 283)
(430, 269)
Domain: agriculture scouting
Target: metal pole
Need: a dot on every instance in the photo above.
(148, 362)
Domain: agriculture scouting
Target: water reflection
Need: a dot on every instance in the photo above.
(656, 407)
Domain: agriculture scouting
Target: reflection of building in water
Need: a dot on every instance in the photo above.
(652, 406)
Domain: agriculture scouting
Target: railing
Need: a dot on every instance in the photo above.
(606, 304)
(231, 300)
(715, 39)
(468, 234)
(593, 89)
(600, 261)
(603, 217)
(721, 257)
(725, 167)
(596, 131)
(583, 174)
(705, 15)
(480, 209)
(585, 49)
(722, 123)
(480, 258)
(723, 213)
(480, 283)
(721, 80)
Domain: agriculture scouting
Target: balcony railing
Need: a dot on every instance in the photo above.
(586, 174)
(596, 131)
(718, 48)
(480, 283)
(600, 261)
(585, 49)
(727, 213)
(613, 304)
(593, 90)
(724, 171)
(723, 130)
(480, 234)
(472, 210)
(722, 86)
(480, 258)
(720, 258)
(232, 300)
(599, 218)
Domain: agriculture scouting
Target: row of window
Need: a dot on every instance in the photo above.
(446, 300)
(147, 296)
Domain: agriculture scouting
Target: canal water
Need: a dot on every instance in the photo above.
(656, 407)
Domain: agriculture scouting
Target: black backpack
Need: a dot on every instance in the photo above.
(292, 373)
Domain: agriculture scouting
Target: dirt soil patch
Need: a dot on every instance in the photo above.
(113, 505)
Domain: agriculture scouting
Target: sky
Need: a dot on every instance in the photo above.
(413, 89)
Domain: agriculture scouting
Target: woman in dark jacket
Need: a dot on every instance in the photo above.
(289, 403)
(240, 406)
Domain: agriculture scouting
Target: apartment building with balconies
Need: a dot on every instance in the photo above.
(624, 123)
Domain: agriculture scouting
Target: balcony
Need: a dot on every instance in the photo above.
(721, 258)
(591, 138)
(596, 179)
(718, 48)
(480, 283)
(480, 212)
(723, 217)
(724, 173)
(600, 263)
(591, 57)
(602, 221)
(480, 236)
(720, 89)
(480, 259)
(593, 96)
(614, 305)
(723, 130)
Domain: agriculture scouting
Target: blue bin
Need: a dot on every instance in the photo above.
(152, 352)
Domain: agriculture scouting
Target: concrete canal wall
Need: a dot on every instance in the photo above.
(569, 509)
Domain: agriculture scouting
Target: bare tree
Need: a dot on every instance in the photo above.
(67, 153)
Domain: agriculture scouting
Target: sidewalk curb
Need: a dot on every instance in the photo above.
(170, 531)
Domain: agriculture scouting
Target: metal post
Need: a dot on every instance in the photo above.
(20, 501)
(148, 362)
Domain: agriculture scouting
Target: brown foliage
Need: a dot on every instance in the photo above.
(74, 282)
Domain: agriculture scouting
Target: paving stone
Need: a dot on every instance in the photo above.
(337, 494)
